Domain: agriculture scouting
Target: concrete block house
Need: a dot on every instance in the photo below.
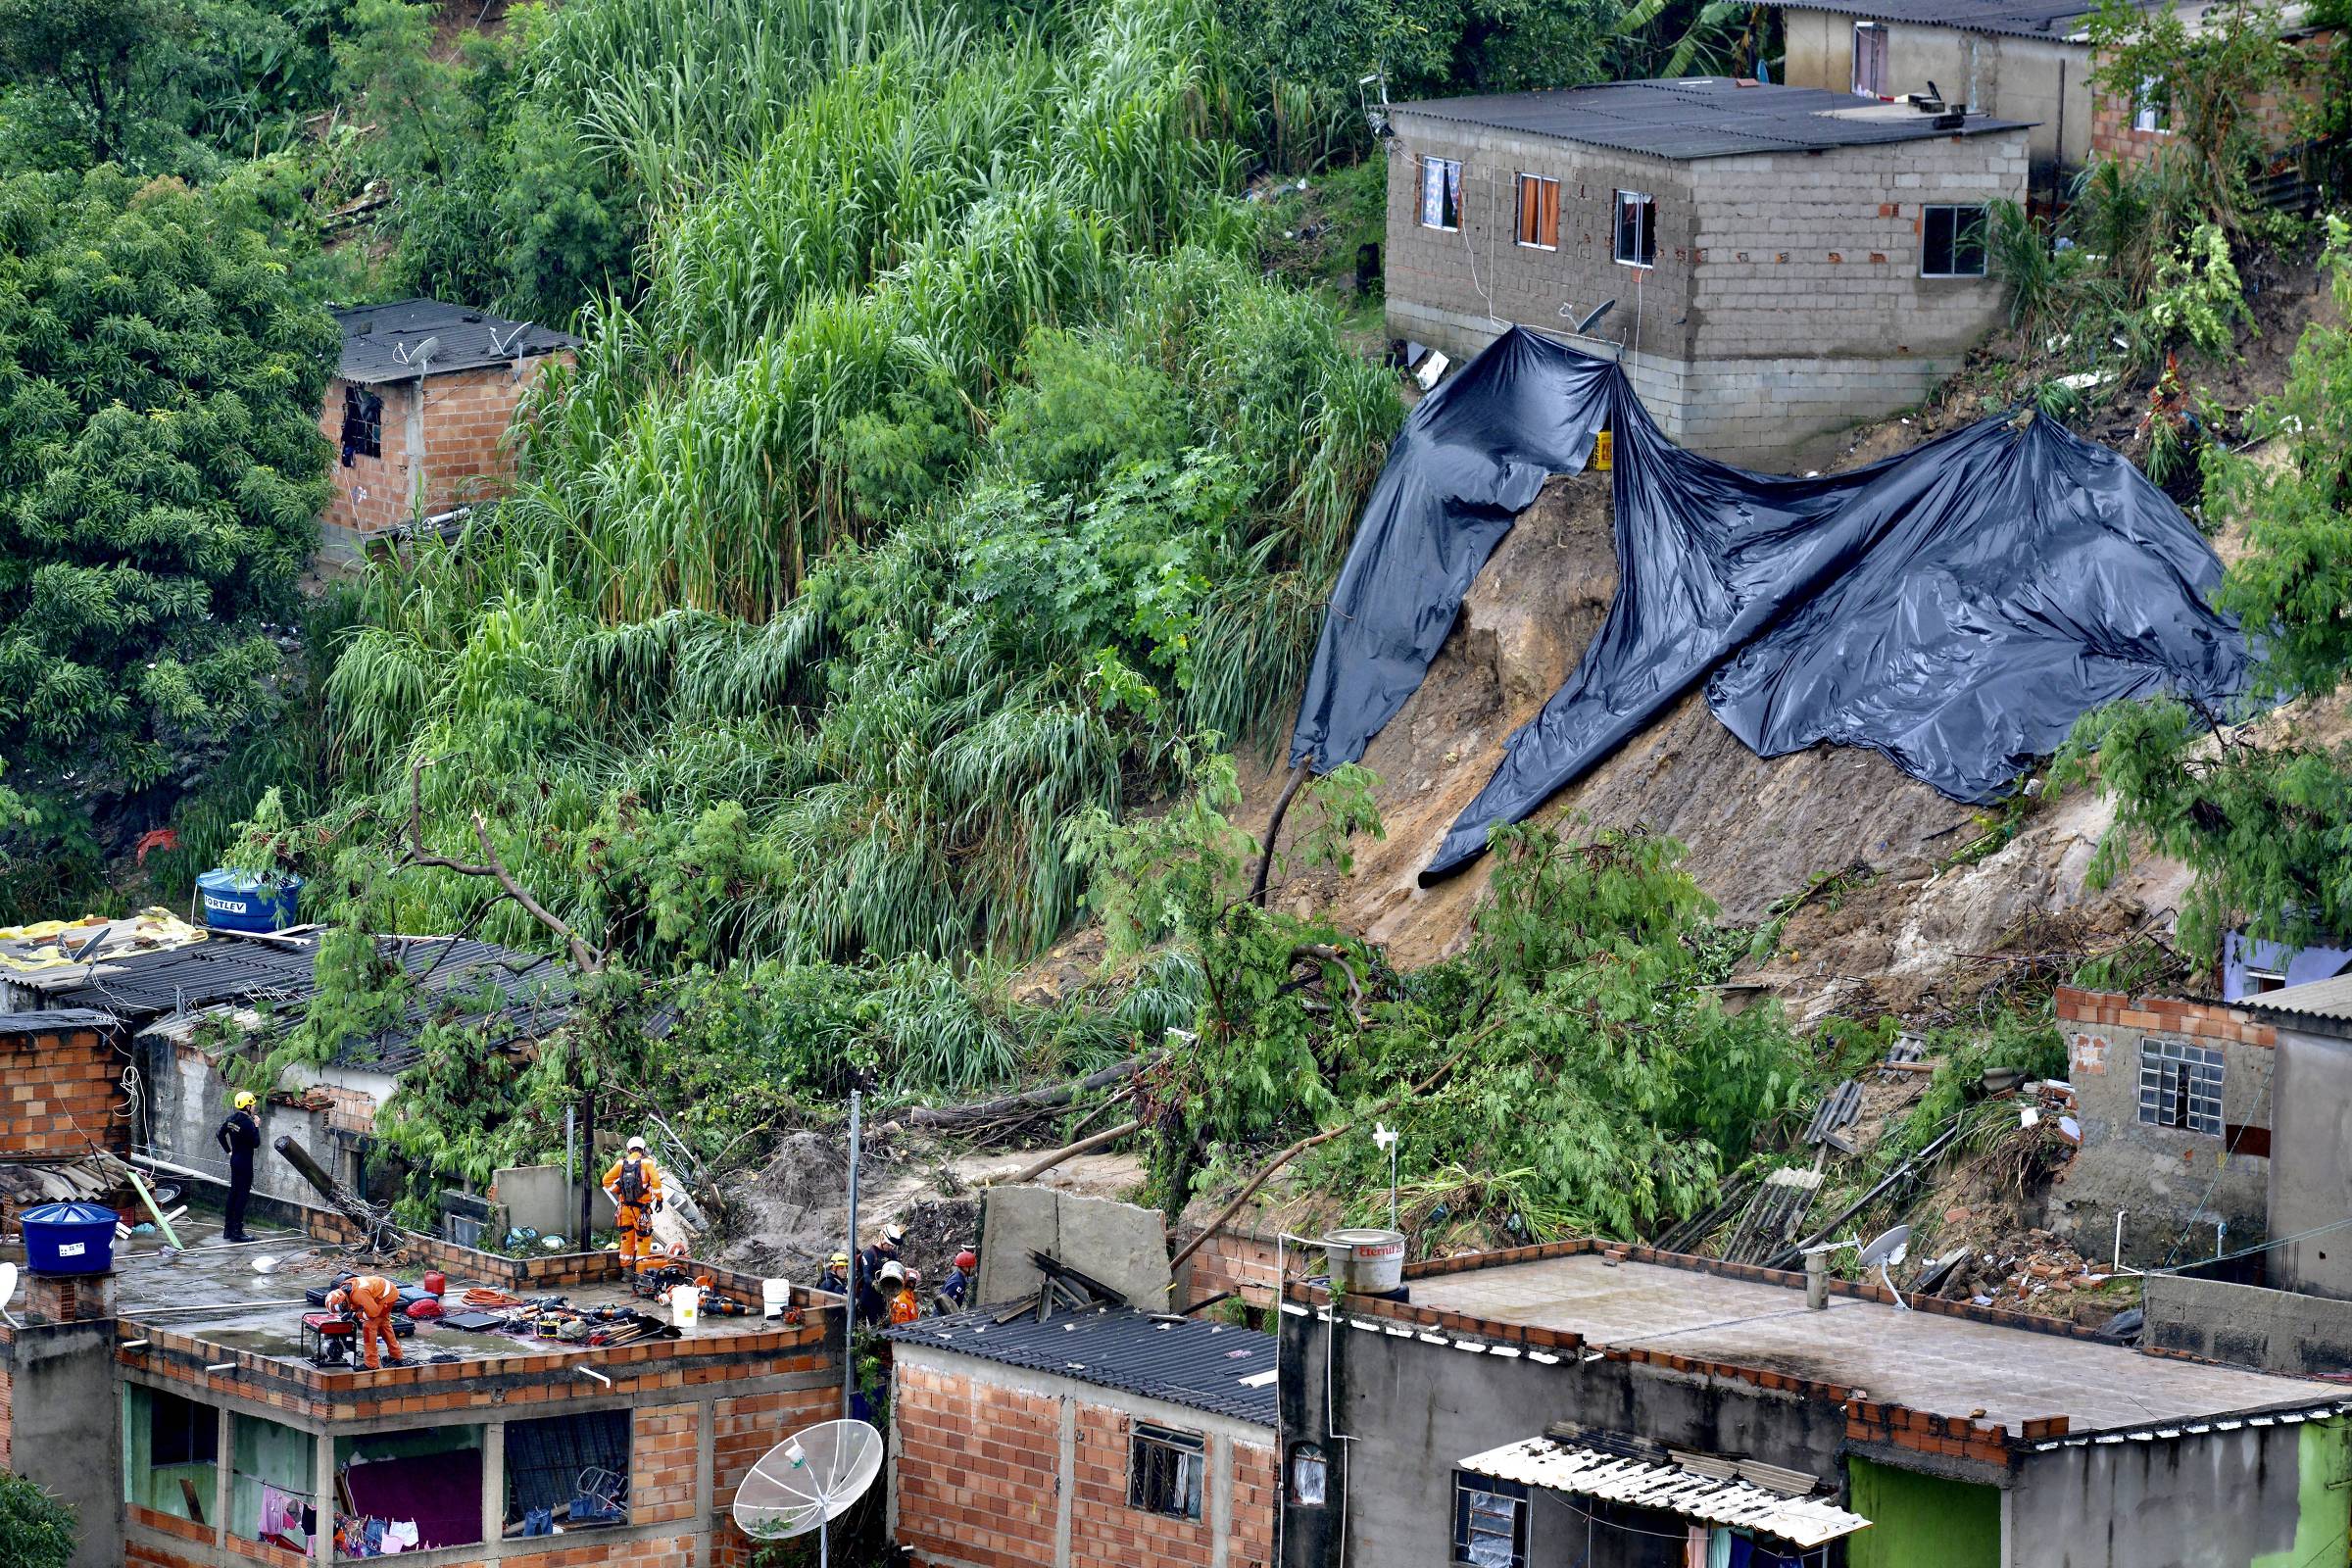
(418, 412)
(1767, 263)
(1083, 1440)
(1584, 1405)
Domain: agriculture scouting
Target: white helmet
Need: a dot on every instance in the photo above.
(636, 1146)
(891, 1271)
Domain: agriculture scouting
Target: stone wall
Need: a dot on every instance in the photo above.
(2176, 1187)
(1786, 301)
(2044, 83)
(997, 1467)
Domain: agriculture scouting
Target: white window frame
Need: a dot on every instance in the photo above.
(1191, 1450)
(1441, 169)
(1646, 226)
(1519, 206)
(2260, 982)
(2172, 1068)
(1468, 1530)
(1868, 30)
(1984, 217)
(2151, 108)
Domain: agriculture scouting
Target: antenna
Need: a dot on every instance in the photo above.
(1885, 1250)
(1376, 109)
(806, 1480)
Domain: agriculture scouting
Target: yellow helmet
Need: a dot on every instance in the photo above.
(244, 1099)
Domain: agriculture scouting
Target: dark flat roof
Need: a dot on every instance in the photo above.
(26, 1023)
(1701, 117)
(228, 972)
(380, 341)
(1178, 1359)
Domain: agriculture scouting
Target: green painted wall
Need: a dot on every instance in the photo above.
(2322, 1471)
(1921, 1520)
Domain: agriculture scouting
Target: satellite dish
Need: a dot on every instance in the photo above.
(84, 950)
(8, 1289)
(1885, 1250)
(806, 1480)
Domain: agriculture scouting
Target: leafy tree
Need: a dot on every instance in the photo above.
(161, 475)
(2262, 813)
(36, 1531)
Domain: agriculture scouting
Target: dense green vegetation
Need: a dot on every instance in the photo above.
(36, 1531)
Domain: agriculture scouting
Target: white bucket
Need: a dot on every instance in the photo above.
(774, 1296)
(685, 1304)
(1365, 1262)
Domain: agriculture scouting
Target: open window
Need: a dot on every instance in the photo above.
(1310, 1475)
(1163, 1471)
(2180, 1085)
(363, 425)
(1490, 1522)
(1637, 228)
(568, 1473)
(1951, 243)
(2262, 981)
(1870, 59)
(2152, 106)
(413, 1491)
(273, 1471)
(1440, 193)
(171, 1454)
(1539, 212)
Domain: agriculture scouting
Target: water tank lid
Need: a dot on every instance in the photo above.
(76, 1213)
(1362, 1237)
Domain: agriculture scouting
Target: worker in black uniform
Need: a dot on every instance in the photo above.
(241, 1139)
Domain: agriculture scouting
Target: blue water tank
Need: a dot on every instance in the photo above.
(239, 900)
(68, 1238)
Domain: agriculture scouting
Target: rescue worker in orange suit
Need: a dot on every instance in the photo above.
(635, 1185)
(369, 1300)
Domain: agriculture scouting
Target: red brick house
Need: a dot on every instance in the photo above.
(1089, 1440)
(418, 409)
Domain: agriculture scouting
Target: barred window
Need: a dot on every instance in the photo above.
(2180, 1085)
(1163, 1471)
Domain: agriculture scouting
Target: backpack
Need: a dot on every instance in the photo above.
(632, 1181)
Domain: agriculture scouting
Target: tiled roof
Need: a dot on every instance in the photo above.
(1700, 116)
(1215, 1367)
(380, 341)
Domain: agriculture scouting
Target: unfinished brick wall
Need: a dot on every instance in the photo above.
(977, 1470)
(1239, 1261)
(996, 1468)
(2273, 112)
(744, 1428)
(460, 428)
(59, 1087)
(662, 1463)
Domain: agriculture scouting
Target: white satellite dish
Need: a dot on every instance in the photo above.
(8, 1290)
(1889, 1249)
(806, 1480)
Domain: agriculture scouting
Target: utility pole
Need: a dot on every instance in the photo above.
(849, 1316)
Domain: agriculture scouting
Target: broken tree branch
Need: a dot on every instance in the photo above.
(1034, 1100)
(1084, 1146)
(587, 960)
(1249, 1189)
(1324, 952)
(1266, 856)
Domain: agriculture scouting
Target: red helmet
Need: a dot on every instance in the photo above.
(965, 1261)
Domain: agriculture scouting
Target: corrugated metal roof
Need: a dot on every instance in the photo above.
(25, 1023)
(1701, 117)
(380, 341)
(1215, 1367)
(2054, 20)
(1595, 1472)
(2327, 999)
(232, 972)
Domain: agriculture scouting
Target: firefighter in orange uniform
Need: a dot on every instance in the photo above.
(369, 1300)
(635, 1185)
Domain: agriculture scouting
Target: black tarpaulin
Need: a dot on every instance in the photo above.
(1956, 608)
